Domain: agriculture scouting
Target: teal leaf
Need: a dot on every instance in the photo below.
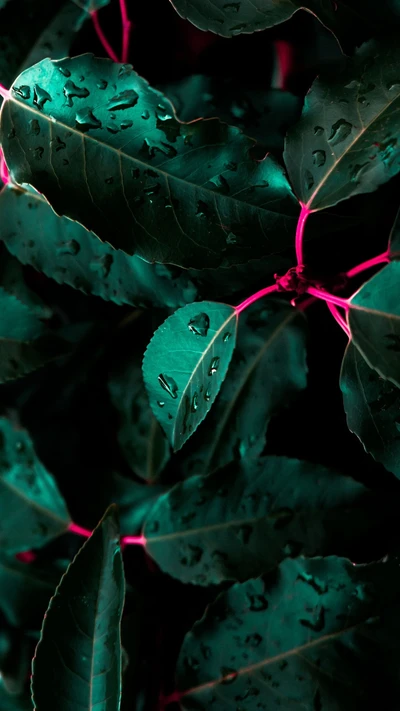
(32, 510)
(77, 662)
(135, 501)
(141, 438)
(112, 155)
(374, 320)
(242, 520)
(12, 702)
(372, 407)
(346, 141)
(91, 5)
(25, 591)
(69, 254)
(185, 364)
(268, 367)
(320, 634)
(13, 281)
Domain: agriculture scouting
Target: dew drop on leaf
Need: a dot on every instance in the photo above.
(160, 403)
(226, 337)
(23, 91)
(169, 385)
(318, 130)
(199, 324)
(341, 130)
(214, 365)
(125, 100)
(145, 114)
(257, 603)
(86, 119)
(319, 158)
(64, 71)
(195, 402)
(207, 394)
(40, 97)
(102, 84)
(71, 90)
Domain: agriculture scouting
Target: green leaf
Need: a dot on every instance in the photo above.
(10, 702)
(346, 141)
(32, 510)
(117, 160)
(185, 364)
(316, 634)
(268, 367)
(12, 279)
(374, 320)
(245, 518)
(263, 115)
(135, 502)
(78, 659)
(25, 591)
(141, 438)
(372, 406)
(394, 239)
(91, 5)
(65, 251)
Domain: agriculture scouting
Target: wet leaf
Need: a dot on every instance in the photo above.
(185, 365)
(347, 137)
(141, 438)
(372, 406)
(69, 254)
(78, 658)
(318, 633)
(374, 319)
(268, 367)
(32, 510)
(242, 520)
(186, 194)
(25, 591)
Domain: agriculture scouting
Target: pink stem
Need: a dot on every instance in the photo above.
(125, 540)
(339, 318)
(103, 39)
(329, 298)
(4, 92)
(126, 30)
(26, 557)
(283, 62)
(74, 528)
(255, 297)
(304, 213)
(4, 175)
(384, 257)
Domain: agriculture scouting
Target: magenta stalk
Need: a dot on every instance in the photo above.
(304, 213)
(126, 30)
(339, 318)
(329, 298)
(4, 92)
(103, 39)
(255, 297)
(380, 259)
(125, 540)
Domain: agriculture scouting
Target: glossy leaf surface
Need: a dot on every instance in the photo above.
(346, 141)
(313, 634)
(372, 406)
(78, 660)
(32, 510)
(65, 251)
(242, 520)
(268, 367)
(185, 364)
(108, 152)
(374, 319)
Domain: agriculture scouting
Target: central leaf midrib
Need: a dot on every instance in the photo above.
(33, 503)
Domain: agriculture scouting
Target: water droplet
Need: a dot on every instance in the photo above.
(160, 403)
(109, 180)
(199, 324)
(169, 126)
(353, 84)
(357, 171)
(102, 84)
(207, 394)
(145, 114)
(226, 337)
(214, 365)
(40, 96)
(23, 91)
(257, 603)
(231, 238)
(102, 265)
(234, 6)
(318, 130)
(85, 119)
(317, 625)
(341, 130)
(64, 71)
(169, 385)
(125, 100)
(126, 124)
(195, 402)
(220, 183)
(393, 85)
(318, 585)
(34, 127)
(190, 555)
(70, 90)
(308, 179)
(57, 144)
(203, 210)
(69, 247)
(112, 128)
(253, 640)
(319, 158)
(39, 152)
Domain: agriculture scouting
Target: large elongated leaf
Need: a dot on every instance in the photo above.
(32, 510)
(268, 367)
(316, 634)
(242, 520)
(185, 364)
(374, 319)
(65, 251)
(78, 659)
(372, 406)
(107, 151)
(346, 141)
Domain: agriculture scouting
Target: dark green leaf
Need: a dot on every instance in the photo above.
(65, 251)
(115, 158)
(346, 141)
(245, 518)
(78, 659)
(317, 634)
(263, 115)
(140, 436)
(10, 702)
(91, 5)
(25, 591)
(13, 281)
(372, 406)
(374, 319)
(32, 510)
(394, 240)
(135, 502)
(268, 366)
(185, 364)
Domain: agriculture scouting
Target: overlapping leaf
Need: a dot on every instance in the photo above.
(11, 702)
(374, 319)
(319, 633)
(25, 591)
(268, 367)
(242, 520)
(56, 39)
(185, 364)
(346, 141)
(78, 660)
(107, 151)
(65, 251)
(32, 510)
(135, 502)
